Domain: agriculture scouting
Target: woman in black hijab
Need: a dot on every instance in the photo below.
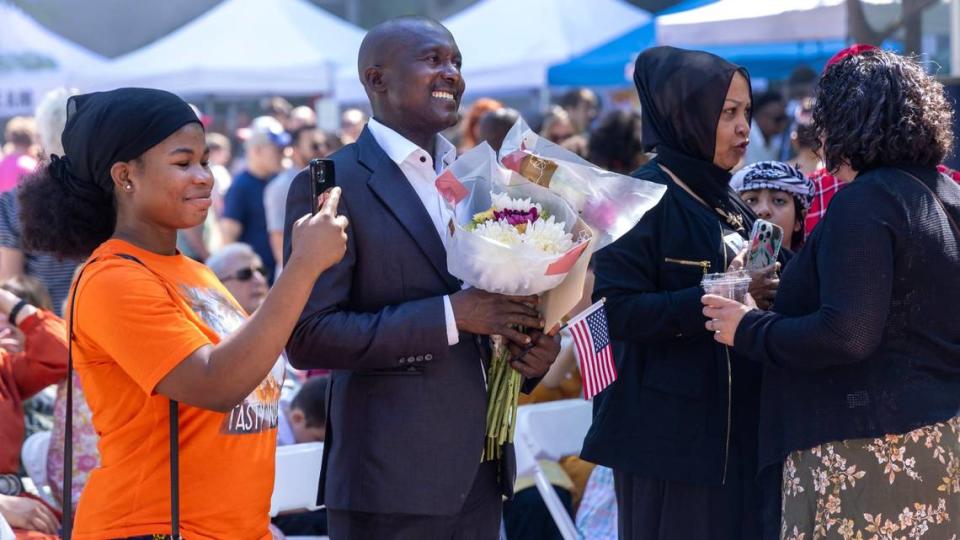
(679, 425)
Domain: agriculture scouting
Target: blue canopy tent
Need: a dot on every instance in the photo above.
(776, 60)
(696, 24)
(610, 64)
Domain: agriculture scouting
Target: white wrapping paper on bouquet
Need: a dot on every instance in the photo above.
(606, 205)
(495, 266)
(610, 203)
(594, 207)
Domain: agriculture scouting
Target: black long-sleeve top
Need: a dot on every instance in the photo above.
(864, 337)
(682, 403)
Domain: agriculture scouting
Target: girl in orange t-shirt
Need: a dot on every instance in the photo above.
(151, 325)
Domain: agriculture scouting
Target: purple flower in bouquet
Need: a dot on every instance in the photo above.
(516, 217)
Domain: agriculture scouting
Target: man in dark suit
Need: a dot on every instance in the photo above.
(406, 418)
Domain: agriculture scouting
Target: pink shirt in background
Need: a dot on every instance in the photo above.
(14, 168)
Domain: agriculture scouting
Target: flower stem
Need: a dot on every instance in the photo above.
(503, 393)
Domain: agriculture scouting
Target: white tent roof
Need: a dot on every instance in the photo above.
(510, 44)
(244, 47)
(34, 60)
(749, 21)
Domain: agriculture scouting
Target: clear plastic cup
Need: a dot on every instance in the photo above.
(732, 285)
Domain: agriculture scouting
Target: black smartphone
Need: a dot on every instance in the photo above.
(322, 178)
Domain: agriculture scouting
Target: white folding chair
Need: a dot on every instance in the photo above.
(297, 478)
(6, 533)
(551, 431)
(33, 454)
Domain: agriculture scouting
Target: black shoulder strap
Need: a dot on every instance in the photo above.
(67, 492)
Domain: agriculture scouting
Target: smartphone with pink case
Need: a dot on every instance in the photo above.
(765, 241)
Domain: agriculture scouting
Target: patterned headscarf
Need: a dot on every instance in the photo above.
(777, 176)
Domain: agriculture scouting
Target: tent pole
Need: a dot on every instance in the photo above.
(955, 38)
(544, 97)
(232, 111)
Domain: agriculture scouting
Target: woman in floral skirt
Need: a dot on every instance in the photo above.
(861, 351)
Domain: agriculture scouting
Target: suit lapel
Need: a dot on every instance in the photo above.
(393, 189)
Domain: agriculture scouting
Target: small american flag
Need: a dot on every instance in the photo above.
(592, 343)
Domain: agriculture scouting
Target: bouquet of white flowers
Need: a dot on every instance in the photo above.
(512, 237)
(527, 225)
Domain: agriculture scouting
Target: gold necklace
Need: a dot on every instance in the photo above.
(734, 220)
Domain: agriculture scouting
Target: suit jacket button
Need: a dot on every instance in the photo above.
(402, 360)
(420, 358)
(411, 360)
(428, 357)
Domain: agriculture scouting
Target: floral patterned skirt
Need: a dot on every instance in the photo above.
(904, 486)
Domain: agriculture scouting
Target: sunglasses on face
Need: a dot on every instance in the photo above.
(245, 274)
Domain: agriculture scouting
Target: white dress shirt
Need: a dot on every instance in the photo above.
(421, 171)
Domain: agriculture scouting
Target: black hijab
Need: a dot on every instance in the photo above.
(682, 95)
(106, 127)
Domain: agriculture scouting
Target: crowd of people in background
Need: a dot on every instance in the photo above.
(782, 177)
(241, 242)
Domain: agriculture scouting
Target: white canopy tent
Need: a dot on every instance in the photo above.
(243, 47)
(509, 45)
(748, 21)
(34, 60)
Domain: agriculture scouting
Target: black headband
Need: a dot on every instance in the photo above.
(104, 128)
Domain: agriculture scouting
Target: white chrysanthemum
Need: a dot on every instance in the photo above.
(499, 231)
(502, 201)
(548, 236)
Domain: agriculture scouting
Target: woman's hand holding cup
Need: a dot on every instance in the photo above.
(764, 281)
(723, 316)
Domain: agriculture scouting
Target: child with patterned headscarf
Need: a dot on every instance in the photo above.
(779, 193)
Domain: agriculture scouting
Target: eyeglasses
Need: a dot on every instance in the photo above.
(245, 274)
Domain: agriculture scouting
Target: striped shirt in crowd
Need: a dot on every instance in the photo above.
(53, 273)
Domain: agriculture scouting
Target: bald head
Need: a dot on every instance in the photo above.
(386, 38)
(410, 69)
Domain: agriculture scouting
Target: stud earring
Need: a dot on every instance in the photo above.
(128, 186)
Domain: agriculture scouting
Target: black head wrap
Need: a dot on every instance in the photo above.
(682, 95)
(104, 128)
